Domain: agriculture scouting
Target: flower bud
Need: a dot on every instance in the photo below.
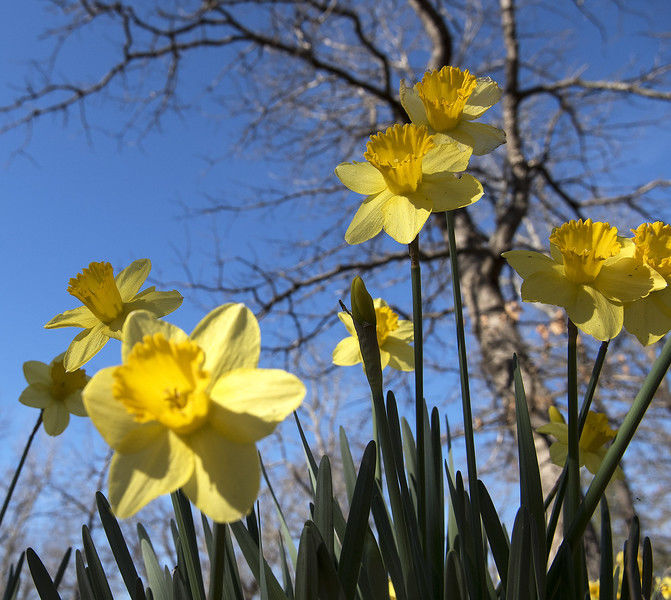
(363, 310)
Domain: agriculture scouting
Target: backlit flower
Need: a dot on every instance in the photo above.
(592, 445)
(393, 337)
(649, 319)
(447, 101)
(185, 412)
(406, 178)
(590, 273)
(54, 390)
(107, 301)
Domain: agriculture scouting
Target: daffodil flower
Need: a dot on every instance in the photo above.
(406, 178)
(591, 272)
(592, 445)
(393, 338)
(649, 318)
(107, 301)
(185, 412)
(54, 390)
(447, 102)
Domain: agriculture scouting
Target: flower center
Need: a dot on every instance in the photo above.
(444, 94)
(63, 383)
(397, 154)
(585, 247)
(97, 290)
(162, 381)
(596, 432)
(387, 321)
(653, 246)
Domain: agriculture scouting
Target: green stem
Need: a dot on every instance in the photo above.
(22, 460)
(466, 402)
(418, 346)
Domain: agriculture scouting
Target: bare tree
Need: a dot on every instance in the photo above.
(311, 79)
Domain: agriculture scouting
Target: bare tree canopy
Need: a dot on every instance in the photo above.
(309, 80)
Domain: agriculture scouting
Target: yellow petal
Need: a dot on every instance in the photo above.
(36, 395)
(55, 418)
(130, 280)
(485, 95)
(247, 404)
(116, 425)
(75, 404)
(594, 314)
(401, 354)
(558, 430)
(404, 332)
(527, 262)
(559, 453)
(77, 317)
(592, 460)
(348, 322)
(368, 220)
(37, 372)
(413, 105)
(140, 323)
(136, 479)
(85, 346)
(231, 339)
(448, 192)
(157, 303)
(649, 319)
(448, 155)
(384, 358)
(226, 478)
(347, 352)
(404, 216)
(549, 286)
(484, 138)
(626, 280)
(361, 177)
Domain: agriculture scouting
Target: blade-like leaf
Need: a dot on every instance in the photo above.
(606, 591)
(45, 586)
(83, 580)
(498, 540)
(324, 504)
(97, 575)
(517, 587)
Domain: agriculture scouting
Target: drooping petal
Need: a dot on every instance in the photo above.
(141, 323)
(77, 317)
(527, 262)
(226, 477)
(361, 177)
(37, 372)
(384, 358)
(592, 460)
(484, 138)
(549, 286)
(594, 314)
(130, 280)
(448, 155)
(405, 331)
(368, 220)
(347, 321)
(558, 430)
(559, 453)
(486, 94)
(85, 346)
(448, 192)
(347, 352)
(75, 404)
(413, 105)
(157, 303)
(247, 404)
(136, 479)
(627, 279)
(649, 319)
(55, 418)
(231, 339)
(116, 425)
(36, 395)
(401, 354)
(404, 216)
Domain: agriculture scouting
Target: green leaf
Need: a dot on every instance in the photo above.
(189, 543)
(14, 577)
(284, 528)
(117, 544)
(388, 541)
(97, 575)
(454, 578)
(286, 573)
(435, 508)
(324, 504)
(155, 574)
(349, 472)
(83, 579)
(498, 540)
(517, 587)
(357, 523)
(45, 586)
(373, 569)
(307, 576)
(606, 591)
(647, 579)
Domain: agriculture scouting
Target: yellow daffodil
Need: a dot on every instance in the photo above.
(649, 319)
(595, 435)
(447, 101)
(393, 338)
(406, 178)
(392, 591)
(588, 274)
(185, 412)
(55, 391)
(662, 584)
(107, 301)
